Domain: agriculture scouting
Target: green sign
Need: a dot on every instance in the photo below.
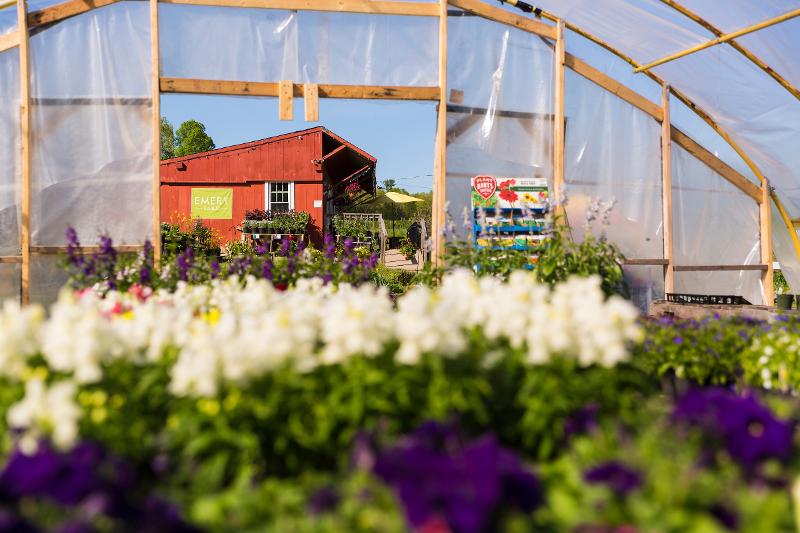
(212, 203)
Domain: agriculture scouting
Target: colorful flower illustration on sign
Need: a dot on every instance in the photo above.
(508, 195)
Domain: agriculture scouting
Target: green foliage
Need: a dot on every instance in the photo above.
(772, 360)
(241, 248)
(191, 138)
(279, 223)
(167, 140)
(708, 352)
(558, 258)
(562, 257)
(408, 249)
(679, 492)
(358, 228)
(177, 237)
(395, 280)
(779, 282)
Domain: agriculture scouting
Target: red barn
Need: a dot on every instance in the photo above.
(313, 170)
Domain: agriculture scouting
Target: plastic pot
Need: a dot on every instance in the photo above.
(784, 301)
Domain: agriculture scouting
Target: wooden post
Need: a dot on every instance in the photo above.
(765, 219)
(311, 100)
(666, 190)
(285, 102)
(440, 157)
(25, 141)
(156, 98)
(558, 123)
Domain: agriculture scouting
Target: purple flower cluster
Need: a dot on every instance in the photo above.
(184, 262)
(85, 482)
(439, 479)
(747, 430)
(617, 476)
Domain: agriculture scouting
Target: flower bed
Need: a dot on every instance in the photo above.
(236, 402)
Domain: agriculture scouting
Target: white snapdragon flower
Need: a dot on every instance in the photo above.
(76, 337)
(355, 321)
(46, 411)
(19, 336)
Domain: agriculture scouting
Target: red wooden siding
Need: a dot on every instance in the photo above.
(304, 196)
(176, 203)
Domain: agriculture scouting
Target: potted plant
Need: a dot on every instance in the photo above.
(783, 299)
(408, 249)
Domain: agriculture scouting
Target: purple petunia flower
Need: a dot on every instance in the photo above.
(266, 270)
(324, 500)
(144, 275)
(438, 477)
(747, 430)
(330, 247)
(617, 476)
(214, 269)
(581, 421)
(285, 246)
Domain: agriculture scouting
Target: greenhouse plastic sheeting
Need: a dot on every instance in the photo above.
(47, 278)
(346, 48)
(9, 281)
(265, 45)
(10, 178)
(645, 283)
(713, 222)
(783, 248)
(613, 155)
(500, 105)
(91, 127)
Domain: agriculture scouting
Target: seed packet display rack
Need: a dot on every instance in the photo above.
(511, 214)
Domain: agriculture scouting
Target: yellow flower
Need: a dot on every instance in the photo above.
(212, 316)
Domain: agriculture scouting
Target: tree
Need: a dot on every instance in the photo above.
(388, 185)
(167, 139)
(192, 138)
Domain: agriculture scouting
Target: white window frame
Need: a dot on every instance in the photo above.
(268, 194)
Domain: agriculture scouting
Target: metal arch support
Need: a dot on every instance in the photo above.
(683, 10)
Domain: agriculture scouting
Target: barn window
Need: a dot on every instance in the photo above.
(280, 196)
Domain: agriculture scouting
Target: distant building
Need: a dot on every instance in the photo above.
(313, 170)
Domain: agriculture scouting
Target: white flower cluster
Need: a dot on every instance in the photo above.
(227, 332)
(46, 411)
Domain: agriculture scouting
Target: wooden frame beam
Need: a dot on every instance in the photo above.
(765, 242)
(25, 144)
(245, 88)
(155, 88)
(613, 86)
(559, 133)
(439, 194)
(719, 268)
(64, 10)
(717, 165)
(502, 16)
(666, 190)
(646, 262)
(55, 250)
(721, 39)
(6, 259)
(375, 7)
(9, 41)
(683, 10)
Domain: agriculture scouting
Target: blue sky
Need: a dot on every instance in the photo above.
(399, 134)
